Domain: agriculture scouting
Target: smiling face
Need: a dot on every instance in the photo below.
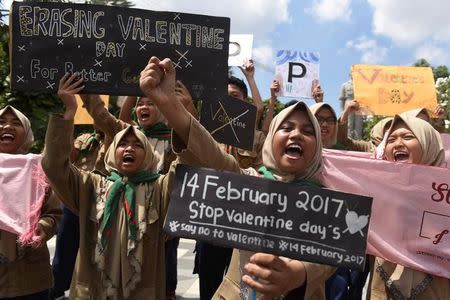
(129, 154)
(146, 112)
(294, 143)
(327, 121)
(12, 133)
(403, 146)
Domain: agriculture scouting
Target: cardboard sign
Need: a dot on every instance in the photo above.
(230, 121)
(390, 90)
(241, 46)
(261, 215)
(410, 221)
(109, 46)
(297, 72)
(82, 116)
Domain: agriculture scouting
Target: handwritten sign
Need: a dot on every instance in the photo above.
(389, 90)
(410, 221)
(241, 46)
(230, 121)
(298, 72)
(256, 214)
(109, 46)
(82, 116)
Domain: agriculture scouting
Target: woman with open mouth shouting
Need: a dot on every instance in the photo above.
(25, 270)
(409, 140)
(291, 153)
(121, 254)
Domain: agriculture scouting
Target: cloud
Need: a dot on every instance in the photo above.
(331, 10)
(411, 22)
(371, 52)
(433, 54)
(257, 17)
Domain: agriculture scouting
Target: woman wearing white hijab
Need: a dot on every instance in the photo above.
(291, 153)
(25, 270)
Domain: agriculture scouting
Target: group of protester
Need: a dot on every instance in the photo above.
(114, 185)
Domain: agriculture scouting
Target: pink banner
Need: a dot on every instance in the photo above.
(410, 219)
(23, 186)
(446, 141)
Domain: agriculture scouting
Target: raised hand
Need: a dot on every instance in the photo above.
(157, 80)
(68, 87)
(249, 68)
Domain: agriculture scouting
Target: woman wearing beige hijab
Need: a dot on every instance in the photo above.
(25, 271)
(409, 140)
(291, 153)
(121, 254)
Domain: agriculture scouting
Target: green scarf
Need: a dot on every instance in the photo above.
(126, 185)
(159, 131)
(90, 145)
(304, 182)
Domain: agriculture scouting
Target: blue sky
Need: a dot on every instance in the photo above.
(344, 32)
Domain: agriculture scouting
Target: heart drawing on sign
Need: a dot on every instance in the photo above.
(355, 223)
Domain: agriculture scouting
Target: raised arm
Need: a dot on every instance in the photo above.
(64, 178)
(192, 140)
(274, 89)
(126, 110)
(249, 72)
(103, 119)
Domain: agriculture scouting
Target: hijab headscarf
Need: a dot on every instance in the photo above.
(429, 139)
(267, 153)
(402, 282)
(416, 112)
(29, 138)
(315, 108)
(120, 259)
(377, 132)
(159, 136)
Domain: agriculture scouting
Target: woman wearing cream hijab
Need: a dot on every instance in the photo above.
(291, 153)
(121, 254)
(25, 271)
(409, 140)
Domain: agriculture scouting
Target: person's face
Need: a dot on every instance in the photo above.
(12, 133)
(294, 143)
(235, 91)
(146, 112)
(129, 154)
(403, 146)
(327, 122)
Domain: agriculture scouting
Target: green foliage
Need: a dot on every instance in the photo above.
(438, 72)
(368, 124)
(122, 3)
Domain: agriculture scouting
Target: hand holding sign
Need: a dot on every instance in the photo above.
(157, 80)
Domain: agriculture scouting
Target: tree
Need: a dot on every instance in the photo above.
(122, 3)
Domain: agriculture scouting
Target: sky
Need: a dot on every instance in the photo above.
(344, 32)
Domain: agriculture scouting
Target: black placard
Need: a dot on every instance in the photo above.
(302, 222)
(109, 46)
(230, 121)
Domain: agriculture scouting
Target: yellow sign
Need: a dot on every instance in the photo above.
(389, 90)
(82, 116)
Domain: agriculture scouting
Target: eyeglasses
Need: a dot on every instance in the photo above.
(328, 120)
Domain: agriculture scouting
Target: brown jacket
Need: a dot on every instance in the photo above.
(79, 189)
(438, 289)
(200, 141)
(351, 144)
(30, 272)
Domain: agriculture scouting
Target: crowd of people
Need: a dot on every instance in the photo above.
(109, 192)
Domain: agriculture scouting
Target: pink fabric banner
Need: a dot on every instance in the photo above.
(23, 185)
(446, 141)
(410, 221)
